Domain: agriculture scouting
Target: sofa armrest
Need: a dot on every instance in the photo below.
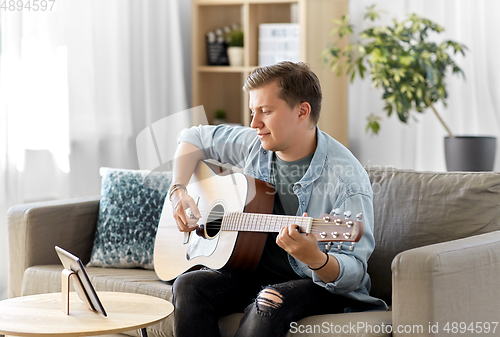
(454, 281)
(34, 229)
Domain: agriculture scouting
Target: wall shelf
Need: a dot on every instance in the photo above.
(219, 87)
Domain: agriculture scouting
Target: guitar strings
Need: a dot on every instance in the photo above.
(218, 213)
(317, 221)
(312, 231)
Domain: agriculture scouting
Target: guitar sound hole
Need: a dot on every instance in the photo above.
(214, 220)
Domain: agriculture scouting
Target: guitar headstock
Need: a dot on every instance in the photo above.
(330, 228)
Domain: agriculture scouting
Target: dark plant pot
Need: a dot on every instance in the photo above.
(470, 153)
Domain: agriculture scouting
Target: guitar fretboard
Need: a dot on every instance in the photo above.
(254, 222)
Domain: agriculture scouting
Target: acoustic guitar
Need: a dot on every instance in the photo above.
(235, 219)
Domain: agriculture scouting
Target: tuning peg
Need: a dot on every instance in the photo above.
(349, 223)
(359, 216)
(351, 247)
(328, 246)
(336, 211)
(326, 218)
(339, 246)
(347, 214)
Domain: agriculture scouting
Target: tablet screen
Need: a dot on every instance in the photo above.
(88, 295)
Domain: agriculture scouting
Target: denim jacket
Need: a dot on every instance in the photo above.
(334, 181)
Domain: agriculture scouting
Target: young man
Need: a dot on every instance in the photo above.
(312, 174)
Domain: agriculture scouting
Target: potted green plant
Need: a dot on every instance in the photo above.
(410, 69)
(235, 49)
(219, 116)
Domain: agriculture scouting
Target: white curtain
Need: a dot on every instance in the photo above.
(473, 104)
(78, 84)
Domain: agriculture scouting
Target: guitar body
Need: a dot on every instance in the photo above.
(216, 192)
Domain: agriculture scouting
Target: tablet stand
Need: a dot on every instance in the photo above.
(66, 276)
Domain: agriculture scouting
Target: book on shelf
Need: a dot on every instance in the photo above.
(278, 42)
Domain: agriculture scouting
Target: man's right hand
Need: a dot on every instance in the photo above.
(181, 202)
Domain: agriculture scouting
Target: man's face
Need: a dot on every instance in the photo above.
(274, 121)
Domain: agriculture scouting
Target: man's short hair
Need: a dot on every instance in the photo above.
(296, 81)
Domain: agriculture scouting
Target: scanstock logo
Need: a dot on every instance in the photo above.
(156, 144)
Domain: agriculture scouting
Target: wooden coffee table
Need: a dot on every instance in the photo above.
(42, 315)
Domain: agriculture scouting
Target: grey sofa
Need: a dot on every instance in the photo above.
(436, 261)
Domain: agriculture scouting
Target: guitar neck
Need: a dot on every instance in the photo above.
(255, 222)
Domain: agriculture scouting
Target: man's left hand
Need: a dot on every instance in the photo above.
(303, 247)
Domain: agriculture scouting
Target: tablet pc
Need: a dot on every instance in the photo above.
(86, 292)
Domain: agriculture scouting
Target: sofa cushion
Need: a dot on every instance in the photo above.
(414, 209)
(129, 212)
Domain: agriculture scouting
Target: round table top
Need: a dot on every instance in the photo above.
(43, 315)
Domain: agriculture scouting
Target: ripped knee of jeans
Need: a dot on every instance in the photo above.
(268, 301)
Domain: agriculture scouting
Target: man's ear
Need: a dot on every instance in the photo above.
(304, 110)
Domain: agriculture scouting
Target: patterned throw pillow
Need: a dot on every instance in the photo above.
(129, 212)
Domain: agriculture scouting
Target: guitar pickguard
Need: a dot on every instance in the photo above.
(199, 246)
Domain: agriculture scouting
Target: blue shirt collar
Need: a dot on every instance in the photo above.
(315, 168)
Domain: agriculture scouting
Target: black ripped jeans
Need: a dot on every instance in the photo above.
(201, 297)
